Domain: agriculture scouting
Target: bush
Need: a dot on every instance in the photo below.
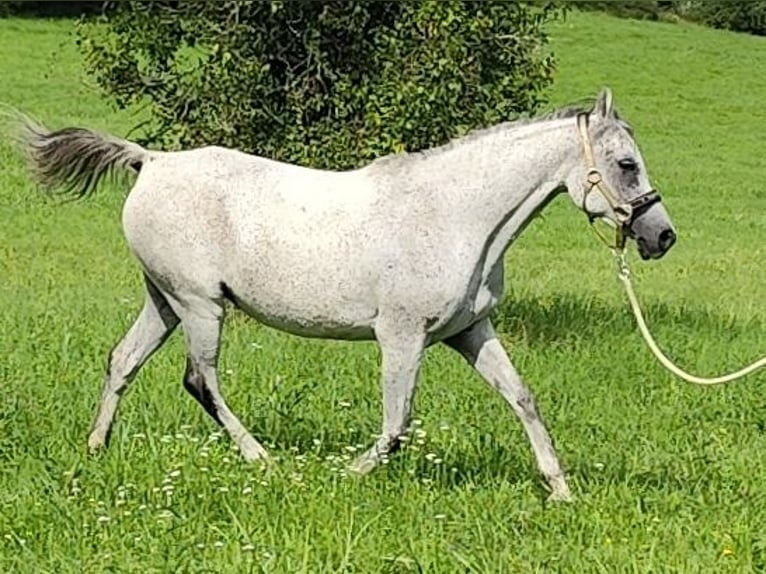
(749, 17)
(330, 83)
(28, 8)
(638, 9)
(739, 16)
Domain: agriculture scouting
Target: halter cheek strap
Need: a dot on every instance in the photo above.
(624, 211)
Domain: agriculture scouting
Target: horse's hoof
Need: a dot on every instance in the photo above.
(362, 466)
(253, 451)
(256, 454)
(96, 443)
(560, 496)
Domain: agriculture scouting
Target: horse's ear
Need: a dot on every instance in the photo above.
(605, 104)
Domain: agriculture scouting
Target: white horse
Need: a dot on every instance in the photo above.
(407, 250)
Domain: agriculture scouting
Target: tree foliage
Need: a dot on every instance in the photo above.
(749, 16)
(327, 83)
(49, 9)
(637, 9)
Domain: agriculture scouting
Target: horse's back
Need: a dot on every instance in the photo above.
(294, 245)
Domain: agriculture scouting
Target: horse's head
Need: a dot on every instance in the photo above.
(612, 183)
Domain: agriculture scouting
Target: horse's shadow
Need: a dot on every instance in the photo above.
(562, 317)
(557, 319)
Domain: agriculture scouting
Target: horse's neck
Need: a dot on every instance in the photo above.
(512, 176)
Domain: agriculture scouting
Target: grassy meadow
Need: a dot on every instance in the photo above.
(667, 477)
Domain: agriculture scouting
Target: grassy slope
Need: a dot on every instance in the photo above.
(668, 477)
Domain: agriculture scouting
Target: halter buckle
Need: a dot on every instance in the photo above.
(623, 213)
(594, 177)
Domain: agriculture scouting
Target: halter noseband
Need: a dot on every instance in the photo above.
(625, 212)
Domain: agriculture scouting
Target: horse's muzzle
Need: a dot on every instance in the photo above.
(665, 242)
(653, 232)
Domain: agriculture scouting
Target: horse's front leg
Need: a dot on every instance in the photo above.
(401, 348)
(482, 349)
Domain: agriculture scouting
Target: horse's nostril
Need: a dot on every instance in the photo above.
(667, 239)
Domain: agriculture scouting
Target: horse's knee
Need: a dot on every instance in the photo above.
(115, 376)
(192, 380)
(194, 383)
(109, 361)
(526, 406)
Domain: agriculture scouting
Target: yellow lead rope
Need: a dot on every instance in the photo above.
(623, 272)
(623, 213)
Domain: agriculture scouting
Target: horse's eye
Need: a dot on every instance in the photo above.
(628, 164)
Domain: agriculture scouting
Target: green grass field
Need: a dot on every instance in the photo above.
(667, 477)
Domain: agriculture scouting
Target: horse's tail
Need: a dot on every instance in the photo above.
(75, 160)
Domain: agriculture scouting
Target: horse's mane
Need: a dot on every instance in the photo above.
(584, 105)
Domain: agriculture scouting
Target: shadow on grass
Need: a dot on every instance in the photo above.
(487, 461)
(568, 317)
(538, 321)
(487, 465)
(681, 474)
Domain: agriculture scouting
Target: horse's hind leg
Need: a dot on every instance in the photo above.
(155, 323)
(202, 321)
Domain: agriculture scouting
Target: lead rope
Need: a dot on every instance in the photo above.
(623, 272)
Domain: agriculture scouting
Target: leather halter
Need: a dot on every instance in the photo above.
(625, 212)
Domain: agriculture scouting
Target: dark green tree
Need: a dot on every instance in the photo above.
(326, 83)
(744, 16)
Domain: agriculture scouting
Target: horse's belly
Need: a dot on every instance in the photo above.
(317, 314)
